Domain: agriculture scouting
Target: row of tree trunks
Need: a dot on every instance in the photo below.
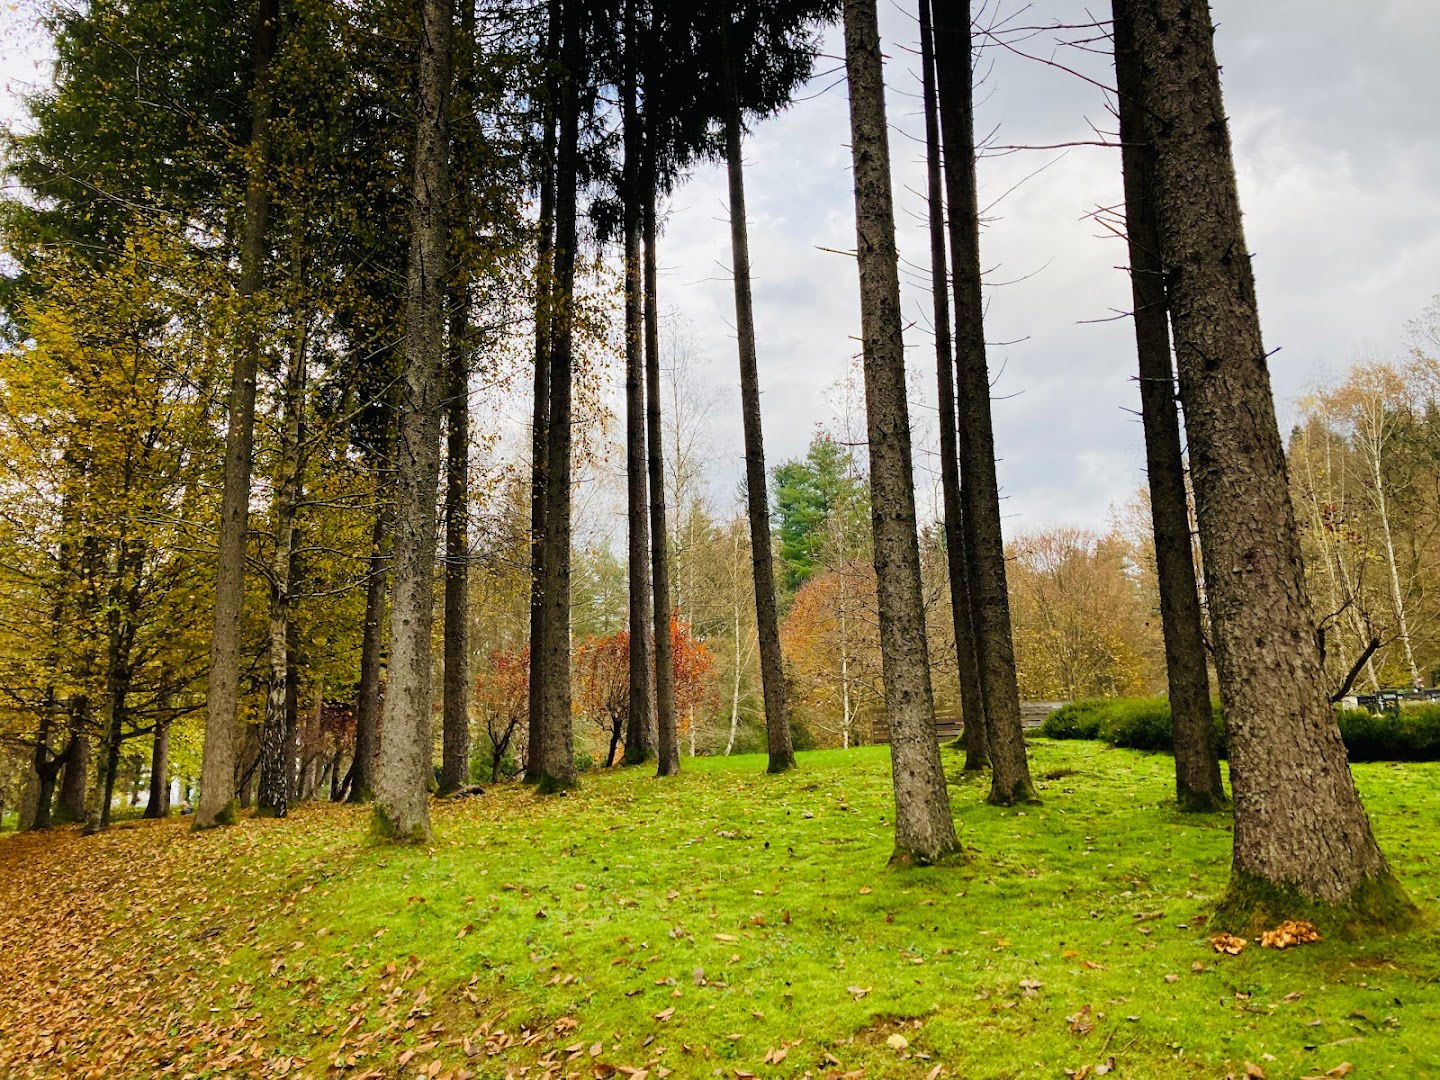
(972, 701)
(1198, 786)
(217, 794)
(924, 829)
(772, 669)
(990, 605)
(1302, 837)
(403, 775)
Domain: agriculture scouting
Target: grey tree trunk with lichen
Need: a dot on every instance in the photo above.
(924, 829)
(1302, 837)
(990, 599)
(402, 779)
(216, 805)
(1198, 786)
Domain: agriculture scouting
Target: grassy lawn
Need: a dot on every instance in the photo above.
(722, 923)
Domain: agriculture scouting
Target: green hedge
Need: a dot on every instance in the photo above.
(1411, 734)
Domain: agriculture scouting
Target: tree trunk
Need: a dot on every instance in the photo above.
(158, 805)
(640, 738)
(556, 752)
(277, 736)
(403, 775)
(1302, 837)
(217, 789)
(540, 402)
(1198, 786)
(70, 807)
(924, 830)
(372, 644)
(667, 743)
(767, 624)
(455, 739)
(990, 603)
(967, 666)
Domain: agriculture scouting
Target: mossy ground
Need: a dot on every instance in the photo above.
(758, 908)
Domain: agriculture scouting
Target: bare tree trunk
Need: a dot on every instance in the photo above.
(70, 806)
(277, 757)
(540, 400)
(735, 686)
(640, 739)
(767, 623)
(924, 829)
(1397, 594)
(967, 666)
(556, 751)
(667, 743)
(217, 772)
(455, 739)
(990, 602)
(158, 805)
(1198, 786)
(372, 646)
(402, 779)
(1302, 837)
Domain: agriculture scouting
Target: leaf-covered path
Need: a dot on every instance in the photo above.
(723, 921)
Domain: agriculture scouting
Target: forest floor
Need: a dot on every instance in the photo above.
(723, 923)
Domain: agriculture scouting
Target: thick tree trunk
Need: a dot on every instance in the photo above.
(924, 829)
(967, 665)
(372, 645)
(217, 790)
(556, 753)
(1302, 837)
(540, 400)
(767, 623)
(158, 805)
(640, 736)
(277, 737)
(455, 740)
(667, 742)
(402, 778)
(1198, 786)
(46, 771)
(70, 807)
(990, 602)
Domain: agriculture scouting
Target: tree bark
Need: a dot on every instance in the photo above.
(455, 739)
(667, 743)
(924, 829)
(967, 665)
(762, 560)
(990, 603)
(540, 401)
(1302, 837)
(372, 646)
(556, 751)
(158, 805)
(403, 775)
(640, 738)
(217, 788)
(277, 757)
(1198, 786)
(70, 807)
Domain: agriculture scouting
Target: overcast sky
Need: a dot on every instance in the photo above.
(1332, 105)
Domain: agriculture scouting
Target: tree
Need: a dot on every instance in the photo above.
(1302, 837)
(1198, 786)
(820, 504)
(975, 438)
(924, 830)
(966, 662)
(217, 795)
(502, 694)
(402, 779)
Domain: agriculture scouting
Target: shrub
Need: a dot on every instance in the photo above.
(1411, 733)
(1137, 724)
(1075, 720)
(584, 761)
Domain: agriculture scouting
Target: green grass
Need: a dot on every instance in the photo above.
(760, 909)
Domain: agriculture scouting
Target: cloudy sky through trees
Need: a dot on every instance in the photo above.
(1339, 160)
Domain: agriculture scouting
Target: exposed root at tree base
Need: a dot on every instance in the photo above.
(1252, 904)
